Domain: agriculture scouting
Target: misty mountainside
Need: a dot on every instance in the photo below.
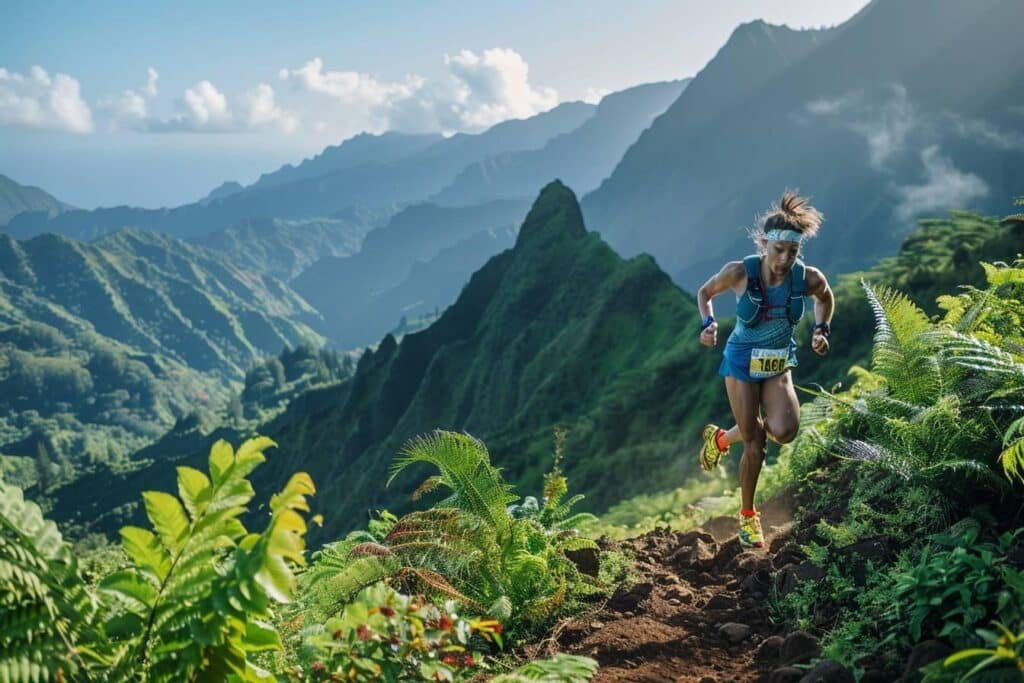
(156, 295)
(225, 189)
(581, 158)
(352, 293)
(16, 198)
(907, 109)
(284, 248)
(558, 330)
(409, 178)
(360, 150)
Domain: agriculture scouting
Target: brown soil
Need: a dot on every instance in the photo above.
(698, 612)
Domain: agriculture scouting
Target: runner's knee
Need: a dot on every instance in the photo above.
(783, 432)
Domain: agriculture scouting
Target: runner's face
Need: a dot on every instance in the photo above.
(780, 256)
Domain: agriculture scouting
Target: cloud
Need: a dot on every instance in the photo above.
(150, 88)
(945, 187)
(36, 100)
(595, 95)
(987, 133)
(885, 125)
(261, 110)
(476, 92)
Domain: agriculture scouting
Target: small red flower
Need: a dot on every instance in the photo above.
(318, 667)
(450, 659)
(468, 660)
(387, 611)
(364, 632)
(445, 624)
(498, 628)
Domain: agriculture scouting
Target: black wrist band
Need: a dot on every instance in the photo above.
(825, 328)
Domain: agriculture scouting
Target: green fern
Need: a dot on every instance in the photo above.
(196, 600)
(46, 611)
(562, 668)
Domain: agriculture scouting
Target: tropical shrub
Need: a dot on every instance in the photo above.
(506, 562)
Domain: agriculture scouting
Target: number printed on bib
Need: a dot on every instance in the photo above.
(768, 362)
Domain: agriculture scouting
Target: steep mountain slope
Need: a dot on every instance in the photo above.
(15, 198)
(157, 295)
(558, 330)
(905, 109)
(581, 158)
(284, 248)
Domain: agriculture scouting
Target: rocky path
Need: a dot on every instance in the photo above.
(699, 612)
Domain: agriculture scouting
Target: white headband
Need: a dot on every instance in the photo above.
(784, 235)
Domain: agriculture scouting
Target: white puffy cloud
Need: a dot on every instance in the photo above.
(261, 110)
(495, 86)
(944, 187)
(205, 106)
(476, 92)
(128, 110)
(36, 100)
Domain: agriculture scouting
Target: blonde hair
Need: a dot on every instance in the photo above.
(792, 212)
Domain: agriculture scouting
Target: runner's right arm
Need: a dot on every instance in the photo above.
(732, 276)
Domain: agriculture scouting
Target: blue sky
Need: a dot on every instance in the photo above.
(238, 89)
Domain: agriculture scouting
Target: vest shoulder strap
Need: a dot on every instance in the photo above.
(798, 279)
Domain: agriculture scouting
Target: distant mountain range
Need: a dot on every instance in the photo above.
(580, 158)
(15, 199)
(910, 107)
(353, 292)
(340, 179)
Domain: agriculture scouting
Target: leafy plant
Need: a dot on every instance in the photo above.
(561, 668)
(1004, 656)
(470, 546)
(383, 635)
(45, 608)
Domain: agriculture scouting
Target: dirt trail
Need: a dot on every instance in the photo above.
(698, 612)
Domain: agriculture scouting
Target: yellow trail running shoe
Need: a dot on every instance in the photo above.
(710, 453)
(750, 533)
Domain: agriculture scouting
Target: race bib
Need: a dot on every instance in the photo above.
(768, 362)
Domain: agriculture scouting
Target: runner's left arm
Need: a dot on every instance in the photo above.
(824, 306)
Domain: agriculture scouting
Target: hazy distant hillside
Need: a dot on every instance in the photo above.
(284, 248)
(557, 330)
(581, 158)
(351, 183)
(352, 292)
(15, 198)
(911, 107)
(360, 150)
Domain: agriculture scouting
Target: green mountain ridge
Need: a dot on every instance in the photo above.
(16, 198)
(558, 330)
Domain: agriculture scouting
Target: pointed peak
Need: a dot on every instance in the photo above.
(555, 212)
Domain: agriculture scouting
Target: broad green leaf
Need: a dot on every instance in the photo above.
(168, 518)
(145, 550)
(194, 490)
(130, 587)
(221, 459)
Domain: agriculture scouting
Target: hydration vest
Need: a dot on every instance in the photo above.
(751, 308)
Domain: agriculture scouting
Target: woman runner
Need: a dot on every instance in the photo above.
(770, 287)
